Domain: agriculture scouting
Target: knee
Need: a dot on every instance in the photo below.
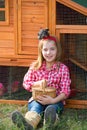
(35, 106)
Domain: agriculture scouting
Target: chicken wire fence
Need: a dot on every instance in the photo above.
(11, 79)
(74, 48)
(68, 16)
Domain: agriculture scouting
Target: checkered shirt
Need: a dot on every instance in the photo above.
(58, 78)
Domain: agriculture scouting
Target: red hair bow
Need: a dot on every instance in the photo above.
(50, 38)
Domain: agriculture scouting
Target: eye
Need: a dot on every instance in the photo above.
(45, 49)
(52, 48)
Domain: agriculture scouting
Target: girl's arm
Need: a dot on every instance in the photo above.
(49, 100)
(59, 98)
(30, 82)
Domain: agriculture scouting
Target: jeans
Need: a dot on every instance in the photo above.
(39, 108)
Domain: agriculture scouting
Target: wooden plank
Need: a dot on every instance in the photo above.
(19, 26)
(26, 41)
(78, 63)
(71, 29)
(78, 27)
(18, 102)
(16, 62)
(33, 0)
(6, 51)
(27, 57)
(7, 11)
(33, 11)
(33, 19)
(15, 14)
(28, 50)
(6, 36)
(46, 19)
(52, 16)
(76, 102)
(69, 103)
(29, 34)
(80, 104)
(6, 29)
(33, 26)
(6, 44)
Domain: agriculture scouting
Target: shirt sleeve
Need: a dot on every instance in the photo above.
(65, 81)
(28, 80)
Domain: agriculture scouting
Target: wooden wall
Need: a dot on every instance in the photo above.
(18, 39)
(7, 43)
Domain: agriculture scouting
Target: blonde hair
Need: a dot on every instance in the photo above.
(37, 64)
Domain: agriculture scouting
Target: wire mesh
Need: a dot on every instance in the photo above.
(11, 78)
(74, 48)
(68, 16)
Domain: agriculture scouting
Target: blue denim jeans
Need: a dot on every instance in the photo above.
(39, 108)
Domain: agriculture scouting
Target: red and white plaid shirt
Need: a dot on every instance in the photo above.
(57, 77)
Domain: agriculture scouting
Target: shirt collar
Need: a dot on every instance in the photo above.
(54, 66)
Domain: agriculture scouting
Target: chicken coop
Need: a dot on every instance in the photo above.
(20, 21)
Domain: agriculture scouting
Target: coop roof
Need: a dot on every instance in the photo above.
(81, 2)
(78, 5)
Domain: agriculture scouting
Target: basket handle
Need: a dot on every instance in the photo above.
(43, 86)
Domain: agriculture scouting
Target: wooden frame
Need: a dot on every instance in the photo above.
(71, 29)
(74, 29)
(81, 29)
(73, 103)
(18, 102)
(6, 9)
(52, 16)
(78, 104)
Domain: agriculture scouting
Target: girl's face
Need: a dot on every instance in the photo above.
(49, 51)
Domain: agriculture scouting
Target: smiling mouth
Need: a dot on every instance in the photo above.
(49, 57)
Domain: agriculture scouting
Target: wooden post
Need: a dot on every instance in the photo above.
(52, 16)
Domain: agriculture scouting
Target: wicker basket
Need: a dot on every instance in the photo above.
(40, 92)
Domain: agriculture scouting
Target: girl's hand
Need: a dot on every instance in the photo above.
(45, 100)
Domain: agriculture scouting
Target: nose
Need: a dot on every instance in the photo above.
(48, 52)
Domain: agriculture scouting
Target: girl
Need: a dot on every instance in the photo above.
(49, 70)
